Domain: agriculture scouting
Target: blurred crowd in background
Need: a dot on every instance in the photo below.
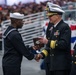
(31, 8)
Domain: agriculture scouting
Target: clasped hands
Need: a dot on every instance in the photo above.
(43, 41)
(38, 57)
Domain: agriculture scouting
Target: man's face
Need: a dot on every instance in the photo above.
(53, 18)
(19, 23)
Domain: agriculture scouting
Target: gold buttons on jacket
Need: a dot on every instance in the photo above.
(75, 62)
(51, 54)
(56, 44)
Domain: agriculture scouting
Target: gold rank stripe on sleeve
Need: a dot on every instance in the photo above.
(45, 52)
(53, 44)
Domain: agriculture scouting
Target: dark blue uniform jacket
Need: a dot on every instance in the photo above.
(14, 48)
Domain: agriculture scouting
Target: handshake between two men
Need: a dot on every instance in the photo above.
(39, 43)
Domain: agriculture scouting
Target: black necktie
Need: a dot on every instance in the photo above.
(53, 29)
(52, 32)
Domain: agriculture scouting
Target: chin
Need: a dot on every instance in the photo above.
(20, 26)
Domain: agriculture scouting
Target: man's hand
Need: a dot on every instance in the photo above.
(38, 57)
(43, 40)
(36, 47)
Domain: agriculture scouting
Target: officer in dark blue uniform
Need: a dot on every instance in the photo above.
(73, 69)
(14, 48)
(57, 41)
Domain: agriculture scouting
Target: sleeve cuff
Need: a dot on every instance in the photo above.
(53, 44)
(44, 52)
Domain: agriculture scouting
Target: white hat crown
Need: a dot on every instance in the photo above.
(54, 7)
(16, 15)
